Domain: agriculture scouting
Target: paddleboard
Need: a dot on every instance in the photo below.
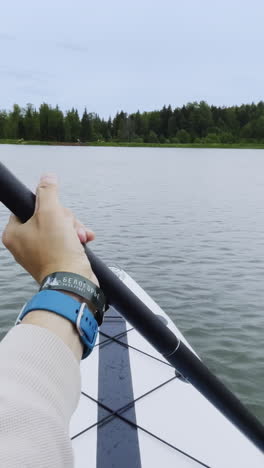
(136, 411)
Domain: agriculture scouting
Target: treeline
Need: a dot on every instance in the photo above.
(192, 123)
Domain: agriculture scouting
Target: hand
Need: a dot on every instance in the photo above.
(51, 240)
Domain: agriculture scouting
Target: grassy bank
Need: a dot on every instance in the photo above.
(139, 145)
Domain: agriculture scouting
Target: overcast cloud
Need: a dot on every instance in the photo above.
(113, 55)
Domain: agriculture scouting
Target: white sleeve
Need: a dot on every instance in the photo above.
(39, 391)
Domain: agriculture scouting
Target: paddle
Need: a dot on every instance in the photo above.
(21, 201)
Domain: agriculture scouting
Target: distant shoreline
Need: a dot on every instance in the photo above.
(138, 145)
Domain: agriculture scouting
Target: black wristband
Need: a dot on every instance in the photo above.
(77, 284)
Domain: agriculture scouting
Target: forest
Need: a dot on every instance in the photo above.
(192, 123)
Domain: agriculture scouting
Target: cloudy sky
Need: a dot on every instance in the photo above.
(110, 55)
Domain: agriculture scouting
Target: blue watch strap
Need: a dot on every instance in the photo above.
(69, 308)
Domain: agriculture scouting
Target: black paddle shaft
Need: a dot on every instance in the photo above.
(21, 201)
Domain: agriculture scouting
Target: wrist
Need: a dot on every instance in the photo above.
(80, 287)
(78, 298)
(82, 269)
(66, 316)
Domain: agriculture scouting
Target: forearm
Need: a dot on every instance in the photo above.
(40, 389)
(39, 359)
(58, 325)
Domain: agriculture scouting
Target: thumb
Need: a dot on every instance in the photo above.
(47, 193)
(10, 230)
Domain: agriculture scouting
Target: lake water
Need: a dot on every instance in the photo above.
(187, 224)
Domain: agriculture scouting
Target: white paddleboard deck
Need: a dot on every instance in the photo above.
(134, 412)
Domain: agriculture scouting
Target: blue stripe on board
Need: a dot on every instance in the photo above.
(117, 441)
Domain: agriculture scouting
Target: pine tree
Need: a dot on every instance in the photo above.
(3, 124)
(72, 126)
(44, 122)
(86, 128)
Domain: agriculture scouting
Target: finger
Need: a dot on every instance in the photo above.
(13, 224)
(47, 193)
(84, 234)
(90, 235)
(80, 230)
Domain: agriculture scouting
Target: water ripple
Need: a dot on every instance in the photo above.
(187, 225)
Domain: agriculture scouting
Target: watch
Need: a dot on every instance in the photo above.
(69, 308)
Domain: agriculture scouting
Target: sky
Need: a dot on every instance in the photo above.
(130, 55)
